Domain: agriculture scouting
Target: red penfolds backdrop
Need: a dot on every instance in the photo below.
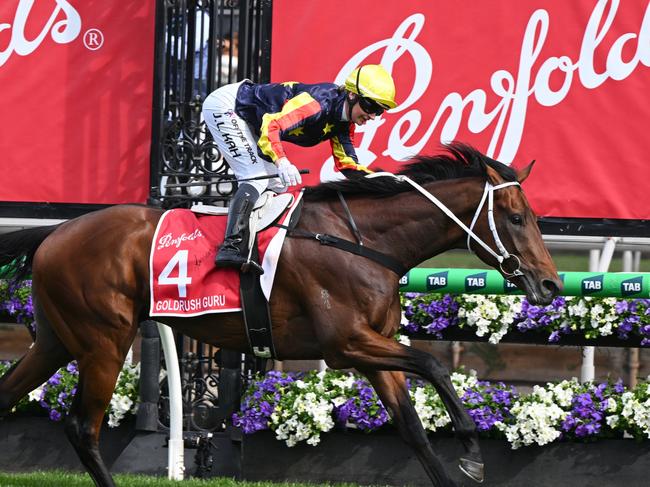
(565, 83)
(76, 79)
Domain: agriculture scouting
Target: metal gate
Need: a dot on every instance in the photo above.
(201, 45)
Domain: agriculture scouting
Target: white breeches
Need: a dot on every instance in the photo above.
(235, 140)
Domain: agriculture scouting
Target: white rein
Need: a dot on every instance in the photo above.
(488, 193)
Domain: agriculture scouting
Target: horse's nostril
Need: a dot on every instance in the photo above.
(551, 286)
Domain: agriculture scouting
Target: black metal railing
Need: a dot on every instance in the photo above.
(200, 46)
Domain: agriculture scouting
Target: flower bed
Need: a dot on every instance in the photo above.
(424, 314)
(301, 407)
(54, 397)
(492, 316)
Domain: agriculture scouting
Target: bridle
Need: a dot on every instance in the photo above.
(488, 194)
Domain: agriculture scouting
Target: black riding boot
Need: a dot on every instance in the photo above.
(234, 249)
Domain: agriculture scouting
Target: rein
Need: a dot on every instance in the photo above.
(488, 193)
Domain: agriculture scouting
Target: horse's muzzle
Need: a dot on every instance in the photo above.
(541, 292)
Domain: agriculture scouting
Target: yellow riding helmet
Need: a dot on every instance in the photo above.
(374, 82)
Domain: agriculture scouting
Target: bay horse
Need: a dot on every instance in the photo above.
(91, 290)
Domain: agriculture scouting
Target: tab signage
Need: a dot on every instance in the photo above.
(631, 287)
(476, 282)
(437, 281)
(592, 285)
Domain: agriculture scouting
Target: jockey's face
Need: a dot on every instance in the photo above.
(359, 116)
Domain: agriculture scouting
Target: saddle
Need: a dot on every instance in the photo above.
(267, 210)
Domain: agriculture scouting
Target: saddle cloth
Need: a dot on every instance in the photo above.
(183, 278)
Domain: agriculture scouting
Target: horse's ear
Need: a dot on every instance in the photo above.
(493, 176)
(522, 174)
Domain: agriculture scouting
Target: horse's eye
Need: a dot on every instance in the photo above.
(516, 219)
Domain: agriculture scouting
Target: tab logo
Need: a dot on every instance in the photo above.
(476, 282)
(508, 287)
(592, 284)
(404, 280)
(632, 286)
(438, 280)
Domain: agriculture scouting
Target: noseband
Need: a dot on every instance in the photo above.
(488, 193)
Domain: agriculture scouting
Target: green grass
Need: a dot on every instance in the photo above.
(64, 479)
(564, 260)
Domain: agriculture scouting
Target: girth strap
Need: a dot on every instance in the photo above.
(255, 309)
(354, 248)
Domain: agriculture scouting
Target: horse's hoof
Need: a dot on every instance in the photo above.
(474, 470)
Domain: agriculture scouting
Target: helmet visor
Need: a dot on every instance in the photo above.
(370, 106)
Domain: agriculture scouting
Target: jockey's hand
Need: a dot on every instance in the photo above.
(288, 173)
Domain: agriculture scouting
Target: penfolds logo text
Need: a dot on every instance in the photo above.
(63, 25)
(499, 108)
(169, 240)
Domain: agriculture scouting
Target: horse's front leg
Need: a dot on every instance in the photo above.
(369, 351)
(391, 389)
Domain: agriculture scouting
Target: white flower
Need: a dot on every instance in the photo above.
(611, 404)
(578, 309)
(36, 394)
(404, 320)
(345, 382)
(538, 417)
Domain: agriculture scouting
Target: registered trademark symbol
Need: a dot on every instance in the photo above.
(93, 39)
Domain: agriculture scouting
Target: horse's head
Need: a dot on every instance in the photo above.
(511, 232)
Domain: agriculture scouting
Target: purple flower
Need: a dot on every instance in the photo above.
(535, 317)
(17, 301)
(618, 386)
(55, 415)
(488, 404)
(62, 397)
(430, 314)
(621, 306)
(260, 401)
(363, 410)
(485, 417)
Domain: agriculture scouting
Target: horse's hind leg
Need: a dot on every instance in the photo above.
(97, 377)
(44, 358)
(100, 354)
(391, 389)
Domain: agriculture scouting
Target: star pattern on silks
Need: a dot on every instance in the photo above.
(297, 131)
(289, 83)
(328, 128)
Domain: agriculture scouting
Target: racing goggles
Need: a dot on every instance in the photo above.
(370, 106)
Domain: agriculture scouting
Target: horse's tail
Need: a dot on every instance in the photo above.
(17, 251)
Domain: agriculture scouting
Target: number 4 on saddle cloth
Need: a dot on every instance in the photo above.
(185, 282)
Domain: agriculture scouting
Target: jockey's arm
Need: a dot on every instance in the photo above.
(345, 156)
(295, 113)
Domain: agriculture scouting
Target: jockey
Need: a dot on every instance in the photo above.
(249, 123)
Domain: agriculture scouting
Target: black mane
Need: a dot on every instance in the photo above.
(459, 161)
